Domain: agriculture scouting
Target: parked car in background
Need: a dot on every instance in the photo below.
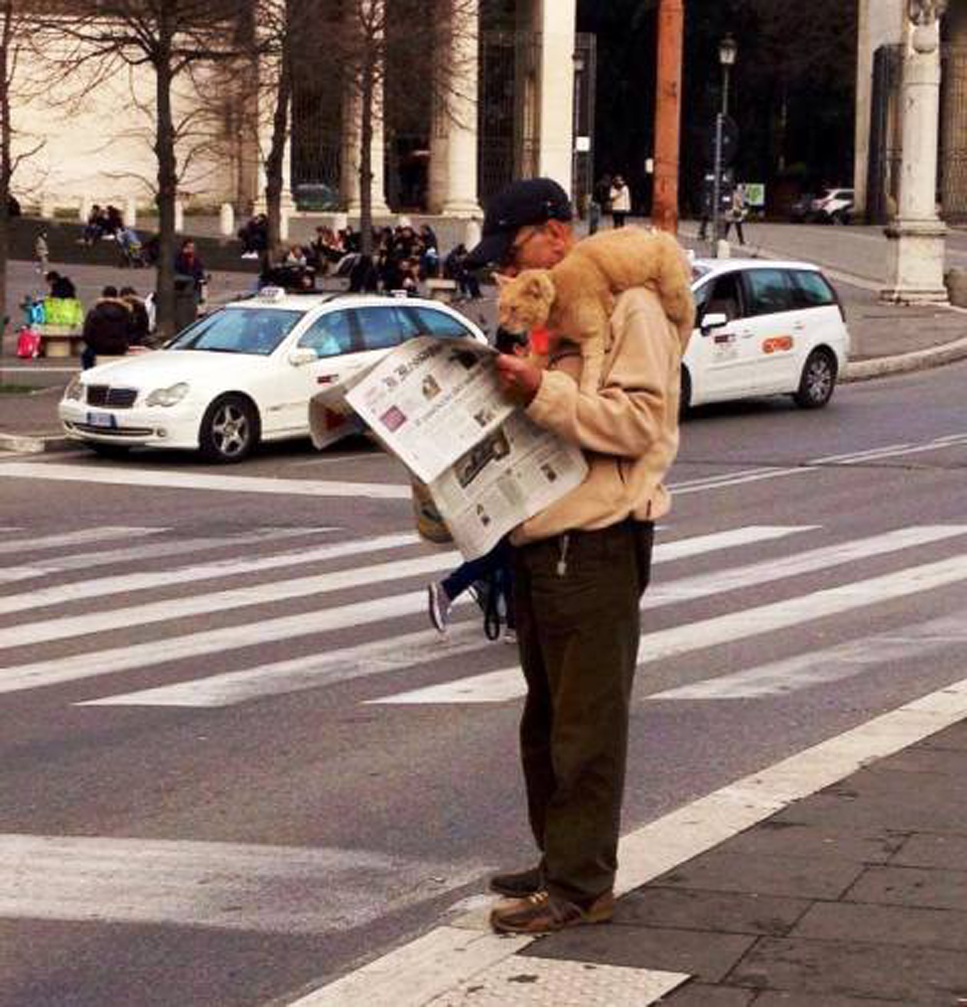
(800, 210)
(244, 373)
(833, 206)
(763, 328)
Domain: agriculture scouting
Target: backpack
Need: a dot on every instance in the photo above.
(28, 343)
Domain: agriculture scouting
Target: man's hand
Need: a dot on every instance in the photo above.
(519, 379)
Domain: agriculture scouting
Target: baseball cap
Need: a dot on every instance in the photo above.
(525, 202)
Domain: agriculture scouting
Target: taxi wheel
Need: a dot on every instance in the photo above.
(818, 380)
(229, 429)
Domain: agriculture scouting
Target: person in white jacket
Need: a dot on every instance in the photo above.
(620, 201)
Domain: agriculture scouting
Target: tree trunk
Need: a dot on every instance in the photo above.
(275, 161)
(167, 190)
(6, 165)
(366, 155)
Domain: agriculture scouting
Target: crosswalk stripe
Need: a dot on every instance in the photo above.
(827, 665)
(66, 539)
(702, 586)
(417, 649)
(222, 601)
(193, 645)
(155, 550)
(101, 587)
(211, 483)
(296, 674)
(506, 683)
(271, 889)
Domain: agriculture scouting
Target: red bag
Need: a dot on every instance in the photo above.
(28, 343)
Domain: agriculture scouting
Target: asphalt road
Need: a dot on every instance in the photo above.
(214, 788)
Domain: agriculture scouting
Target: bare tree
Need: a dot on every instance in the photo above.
(92, 42)
(14, 30)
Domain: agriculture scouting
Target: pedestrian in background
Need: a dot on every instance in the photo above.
(580, 568)
(620, 199)
(737, 212)
(42, 253)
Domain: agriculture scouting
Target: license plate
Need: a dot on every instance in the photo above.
(101, 420)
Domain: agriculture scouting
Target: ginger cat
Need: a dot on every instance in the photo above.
(576, 297)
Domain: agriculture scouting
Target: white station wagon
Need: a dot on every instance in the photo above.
(763, 328)
(244, 373)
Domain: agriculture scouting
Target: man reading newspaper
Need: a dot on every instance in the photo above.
(581, 566)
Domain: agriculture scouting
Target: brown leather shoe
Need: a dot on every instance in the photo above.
(544, 913)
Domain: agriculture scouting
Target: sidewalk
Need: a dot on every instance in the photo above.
(854, 896)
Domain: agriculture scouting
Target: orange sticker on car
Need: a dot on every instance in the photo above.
(777, 344)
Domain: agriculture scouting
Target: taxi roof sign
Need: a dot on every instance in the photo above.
(271, 294)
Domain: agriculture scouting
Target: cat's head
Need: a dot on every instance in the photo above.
(525, 300)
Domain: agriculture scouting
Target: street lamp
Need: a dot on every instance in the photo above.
(728, 51)
(578, 60)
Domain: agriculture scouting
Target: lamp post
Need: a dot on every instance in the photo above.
(728, 50)
(578, 60)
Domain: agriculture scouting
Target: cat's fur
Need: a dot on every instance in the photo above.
(576, 297)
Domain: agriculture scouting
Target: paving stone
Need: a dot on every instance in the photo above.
(826, 969)
(706, 956)
(942, 761)
(864, 814)
(931, 850)
(953, 738)
(770, 999)
(790, 839)
(911, 886)
(701, 995)
(732, 912)
(802, 877)
(930, 786)
(932, 928)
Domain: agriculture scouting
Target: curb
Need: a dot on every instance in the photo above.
(32, 444)
(905, 363)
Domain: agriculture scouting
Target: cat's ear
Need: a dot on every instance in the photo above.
(540, 285)
(502, 280)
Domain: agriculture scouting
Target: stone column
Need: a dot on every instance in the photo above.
(461, 150)
(555, 22)
(916, 245)
(953, 122)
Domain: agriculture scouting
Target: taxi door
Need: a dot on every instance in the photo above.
(773, 331)
(715, 356)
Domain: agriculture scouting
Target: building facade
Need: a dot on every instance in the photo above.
(511, 113)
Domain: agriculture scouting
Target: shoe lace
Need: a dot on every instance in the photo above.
(538, 898)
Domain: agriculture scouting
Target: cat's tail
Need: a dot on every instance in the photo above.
(673, 275)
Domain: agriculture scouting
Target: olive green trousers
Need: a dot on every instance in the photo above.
(577, 601)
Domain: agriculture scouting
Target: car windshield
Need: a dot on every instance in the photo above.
(238, 330)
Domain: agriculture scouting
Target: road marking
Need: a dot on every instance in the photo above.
(103, 586)
(421, 648)
(209, 483)
(657, 645)
(272, 889)
(156, 550)
(319, 669)
(440, 962)
(811, 466)
(67, 539)
(779, 678)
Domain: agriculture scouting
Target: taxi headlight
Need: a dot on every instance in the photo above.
(167, 396)
(74, 390)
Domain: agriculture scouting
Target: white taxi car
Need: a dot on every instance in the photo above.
(244, 373)
(763, 328)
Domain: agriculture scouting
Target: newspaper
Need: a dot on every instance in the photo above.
(437, 405)
(431, 400)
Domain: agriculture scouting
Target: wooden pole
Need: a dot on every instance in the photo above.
(671, 27)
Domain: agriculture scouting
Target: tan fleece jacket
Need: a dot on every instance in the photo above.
(628, 430)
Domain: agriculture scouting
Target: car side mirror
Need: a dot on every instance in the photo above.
(714, 321)
(302, 355)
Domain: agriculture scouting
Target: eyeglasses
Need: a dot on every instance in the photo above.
(509, 257)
